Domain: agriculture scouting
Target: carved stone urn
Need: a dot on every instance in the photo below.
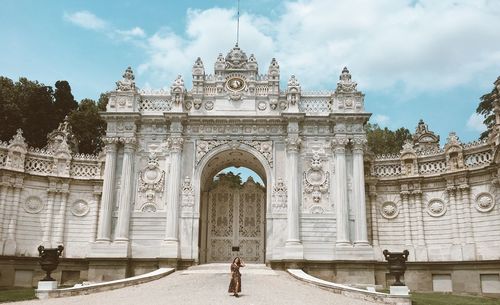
(397, 264)
(49, 259)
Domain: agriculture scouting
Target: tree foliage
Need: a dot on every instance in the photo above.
(38, 109)
(386, 141)
(88, 126)
(486, 106)
(233, 180)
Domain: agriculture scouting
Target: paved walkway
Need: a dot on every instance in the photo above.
(207, 284)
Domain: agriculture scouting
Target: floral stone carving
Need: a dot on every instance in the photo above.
(151, 182)
(484, 202)
(264, 147)
(436, 208)
(33, 205)
(389, 210)
(187, 194)
(280, 196)
(315, 179)
(80, 208)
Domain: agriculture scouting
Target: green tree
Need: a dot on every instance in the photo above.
(103, 102)
(386, 141)
(88, 126)
(64, 102)
(10, 113)
(486, 106)
(233, 180)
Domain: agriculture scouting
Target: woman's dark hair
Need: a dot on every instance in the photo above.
(234, 260)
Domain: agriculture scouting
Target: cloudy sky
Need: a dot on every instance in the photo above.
(413, 59)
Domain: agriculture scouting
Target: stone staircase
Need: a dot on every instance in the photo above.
(257, 269)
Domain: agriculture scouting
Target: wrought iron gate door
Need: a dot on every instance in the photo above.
(236, 223)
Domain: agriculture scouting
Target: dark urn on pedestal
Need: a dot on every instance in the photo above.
(49, 259)
(397, 264)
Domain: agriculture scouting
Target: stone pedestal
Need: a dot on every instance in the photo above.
(294, 251)
(169, 249)
(104, 249)
(9, 247)
(399, 290)
(47, 285)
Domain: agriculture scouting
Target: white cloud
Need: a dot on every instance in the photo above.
(380, 119)
(86, 19)
(475, 123)
(135, 32)
(416, 46)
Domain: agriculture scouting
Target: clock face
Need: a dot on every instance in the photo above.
(235, 84)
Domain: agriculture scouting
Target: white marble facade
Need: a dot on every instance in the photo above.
(147, 196)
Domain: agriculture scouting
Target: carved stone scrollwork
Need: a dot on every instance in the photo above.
(280, 196)
(293, 143)
(151, 182)
(316, 181)
(264, 147)
(127, 83)
(187, 194)
(339, 142)
(175, 144)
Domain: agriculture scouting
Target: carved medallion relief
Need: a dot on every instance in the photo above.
(151, 185)
(484, 202)
(316, 186)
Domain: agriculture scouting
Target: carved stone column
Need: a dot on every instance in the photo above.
(10, 245)
(373, 204)
(456, 248)
(421, 249)
(125, 202)
(97, 200)
(293, 245)
(59, 231)
(175, 144)
(406, 211)
(342, 208)
(358, 190)
(292, 147)
(469, 248)
(4, 190)
(47, 232)
(106, 209)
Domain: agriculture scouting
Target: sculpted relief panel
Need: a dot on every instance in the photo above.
(263, 147)
(316, 186)
(151, 185)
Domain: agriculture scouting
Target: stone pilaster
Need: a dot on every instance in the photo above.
(373, 205)
(421, 249)
(293, 147)
(358, 189)
(456, 248)
(125, 202)
(10, 245)
(4, 190)
(97, 199)
(49, 218)
(171, 243)
(106, 208)
(469, 248)
(342, 208)
(405, 195)
(59, 230)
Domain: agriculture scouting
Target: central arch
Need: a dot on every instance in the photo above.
(212, 163)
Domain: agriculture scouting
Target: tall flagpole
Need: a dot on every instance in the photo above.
(238, 25)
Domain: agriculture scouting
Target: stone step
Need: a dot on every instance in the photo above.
(259, 269)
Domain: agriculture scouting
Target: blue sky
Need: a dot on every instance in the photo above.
(413, 59)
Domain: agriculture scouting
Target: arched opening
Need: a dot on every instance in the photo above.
(232, 208)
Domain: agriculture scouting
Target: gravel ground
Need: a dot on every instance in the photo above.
(205, 286)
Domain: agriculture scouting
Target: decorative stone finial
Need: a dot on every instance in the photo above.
(127, 83)
(18, 139)
(345, 84)
(424, 139)
(62, 139)
(236, 59)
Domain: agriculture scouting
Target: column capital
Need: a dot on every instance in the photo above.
(358, 143)
(339, 142)
(404, 194)
(293, 143)
(175, 143)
